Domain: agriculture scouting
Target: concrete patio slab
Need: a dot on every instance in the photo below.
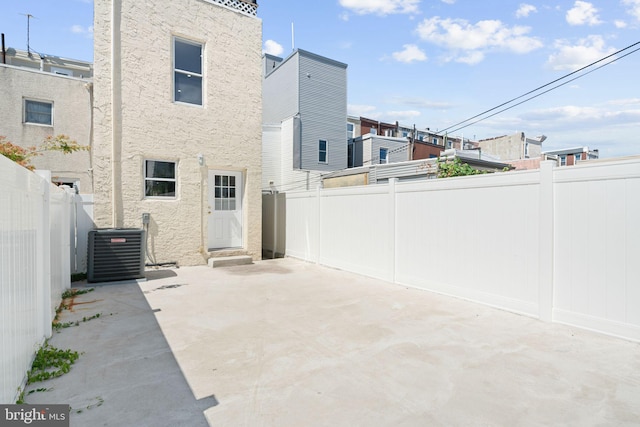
(288, 343)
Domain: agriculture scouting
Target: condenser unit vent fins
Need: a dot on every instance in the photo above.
(116, 254)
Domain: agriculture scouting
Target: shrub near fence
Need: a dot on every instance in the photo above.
(559, 244)
(34, 268)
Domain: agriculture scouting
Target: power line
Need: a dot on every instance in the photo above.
(546, 91)
(537, 89)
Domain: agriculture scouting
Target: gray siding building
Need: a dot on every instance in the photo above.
(305, 110)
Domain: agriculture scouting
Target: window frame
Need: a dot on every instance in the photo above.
(155, 179)
(40, 101)
(563, 160)
(325, 151)
(577, 158)
(351, 132)
(176, 71)
(386, 155)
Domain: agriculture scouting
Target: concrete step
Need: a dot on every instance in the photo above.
(227, 261)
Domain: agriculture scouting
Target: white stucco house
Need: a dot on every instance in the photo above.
(177, 125)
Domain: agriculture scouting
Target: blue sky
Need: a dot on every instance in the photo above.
(436, 63)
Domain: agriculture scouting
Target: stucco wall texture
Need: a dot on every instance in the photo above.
(71, 98)
(135, 119)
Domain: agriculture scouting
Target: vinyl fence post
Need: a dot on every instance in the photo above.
(318, 226)
(546, 250)
(393, 228)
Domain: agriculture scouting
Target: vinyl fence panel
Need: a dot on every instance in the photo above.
(560, 244)
(34, 268)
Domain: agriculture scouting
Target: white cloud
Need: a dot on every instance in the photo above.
(381, 7)
(362, 110)
(628, 101)
(585, 116)
(471, 58)
(475, 40)
(573, 56)
(634, 8)
(344, 16)
(620, 24)
(423, 103)
(410, 54)
(449, 1)
(525, 10)
(273, 48)
(403, 115)
(79, 29)
(583, 13)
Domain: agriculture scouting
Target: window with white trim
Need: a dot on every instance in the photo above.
(577, 158)
(159, 179)
(322, 151)
(38, 112)
(187, 71)
(563, 160)
(384, 155)
(350, 130)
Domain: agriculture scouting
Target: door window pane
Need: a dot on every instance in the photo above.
(225, 192)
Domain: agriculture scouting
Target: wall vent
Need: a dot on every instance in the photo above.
(116, 254)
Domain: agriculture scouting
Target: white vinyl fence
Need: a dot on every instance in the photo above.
(80, 223)
(34, 268)
(559, 244)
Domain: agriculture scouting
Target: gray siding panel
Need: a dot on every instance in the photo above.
(279, 90)
(323, 110)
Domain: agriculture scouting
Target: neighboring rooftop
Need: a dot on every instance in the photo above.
(48, 63)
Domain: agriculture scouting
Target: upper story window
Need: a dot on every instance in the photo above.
(563, 160)
(350, 130)
(322, 151)
(384, 158)
(159, 179)
(373, 131)
(38, 112)
(187, 71)
(435, 141)
(577, 158)
(526, 150)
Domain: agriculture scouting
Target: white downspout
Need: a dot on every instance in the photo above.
(116, 102)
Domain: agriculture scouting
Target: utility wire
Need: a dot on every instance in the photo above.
(542, 93)
(537, 89)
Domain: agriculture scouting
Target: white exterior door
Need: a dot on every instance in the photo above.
(225, 209)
